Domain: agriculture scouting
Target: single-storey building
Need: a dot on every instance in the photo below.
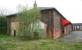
(76, 26)
(55, 23)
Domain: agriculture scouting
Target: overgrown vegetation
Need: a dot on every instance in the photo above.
(11, 43)
(29, 23)
(3, 25)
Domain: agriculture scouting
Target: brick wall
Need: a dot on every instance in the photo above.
(57, 25)
(53, 29)
(67, 29)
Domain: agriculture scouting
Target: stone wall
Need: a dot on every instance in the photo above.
(12, 25)
(14, 28)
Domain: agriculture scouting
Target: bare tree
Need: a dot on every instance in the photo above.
(3, 11)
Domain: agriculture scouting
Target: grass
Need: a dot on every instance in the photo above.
(11, 43)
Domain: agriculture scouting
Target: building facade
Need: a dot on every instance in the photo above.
(77, 27)
(54, 26)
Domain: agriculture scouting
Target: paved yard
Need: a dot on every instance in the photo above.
(74, 36)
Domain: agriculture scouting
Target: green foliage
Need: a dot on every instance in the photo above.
(3, 25)
(28, 18)
(11, 43)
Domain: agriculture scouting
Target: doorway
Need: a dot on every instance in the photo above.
(14, 33)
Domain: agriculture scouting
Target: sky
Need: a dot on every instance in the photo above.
(70, 9)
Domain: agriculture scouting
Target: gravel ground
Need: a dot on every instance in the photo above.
(74, 36)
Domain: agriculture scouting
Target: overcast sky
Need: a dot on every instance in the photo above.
(70, 9)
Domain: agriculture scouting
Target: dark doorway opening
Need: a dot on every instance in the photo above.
(14, 33)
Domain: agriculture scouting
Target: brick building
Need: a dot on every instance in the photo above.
(56, 25)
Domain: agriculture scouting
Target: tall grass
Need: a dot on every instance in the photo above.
(11, 43)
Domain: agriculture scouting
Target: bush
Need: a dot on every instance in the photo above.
(3, 25)
(27, 21)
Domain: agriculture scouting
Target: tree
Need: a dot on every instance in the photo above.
(3, 11)
(28, 18)
(3, 22)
